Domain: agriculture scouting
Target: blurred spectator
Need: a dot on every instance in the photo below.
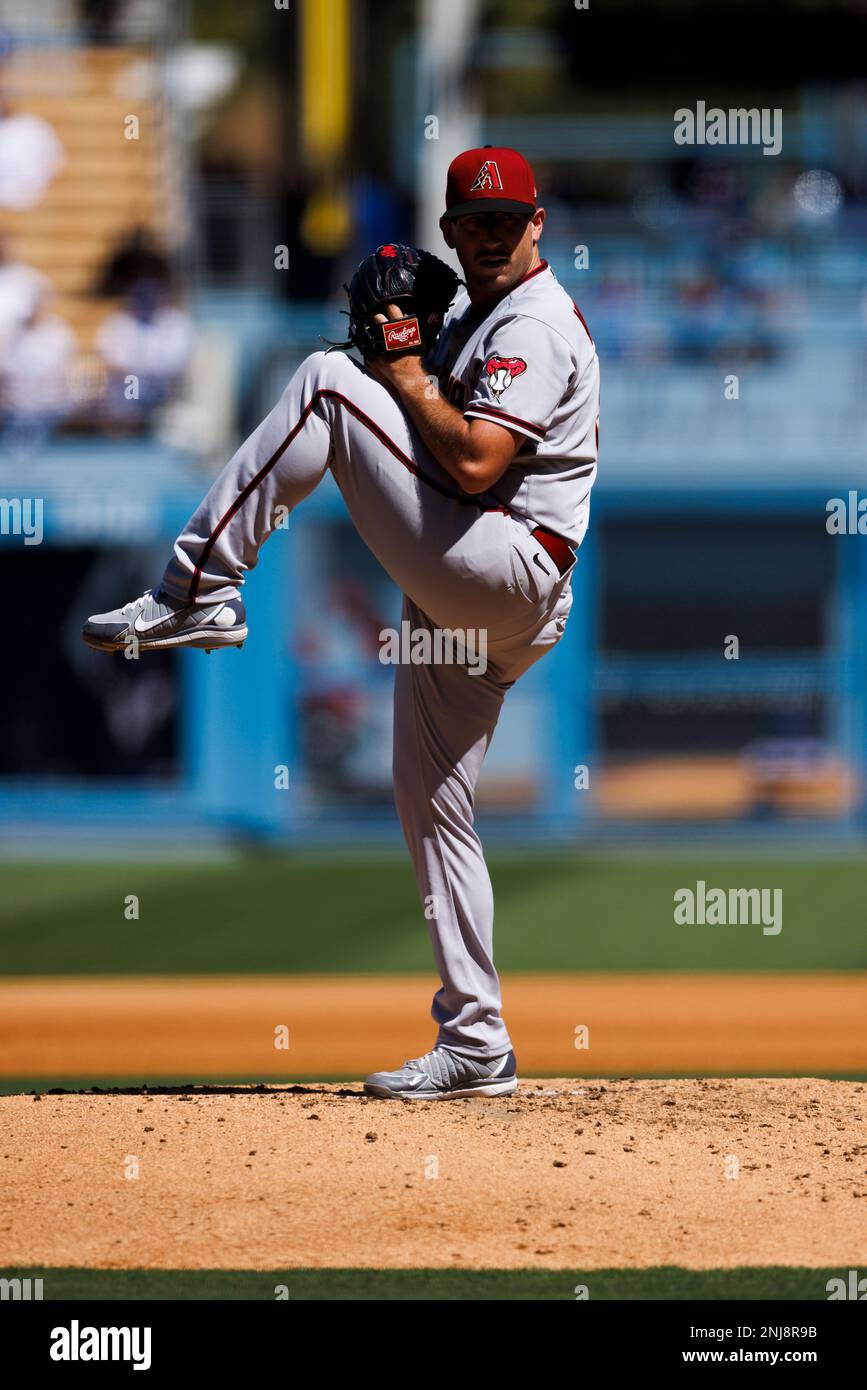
(21, 288)
(146, 346)
(36, 376)
(30, 156)
(136, 256)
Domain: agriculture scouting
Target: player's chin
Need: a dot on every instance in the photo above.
(500, 275)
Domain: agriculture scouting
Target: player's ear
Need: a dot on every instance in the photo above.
(448, 234)
(538, 220)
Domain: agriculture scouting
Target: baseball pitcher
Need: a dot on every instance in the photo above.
(465, 445)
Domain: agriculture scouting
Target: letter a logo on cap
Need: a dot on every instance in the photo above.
(487, 177)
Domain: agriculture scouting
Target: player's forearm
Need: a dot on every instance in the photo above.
(444, 430)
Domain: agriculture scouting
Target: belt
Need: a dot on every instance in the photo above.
(561, 552)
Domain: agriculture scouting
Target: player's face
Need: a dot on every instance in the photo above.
(495, 249)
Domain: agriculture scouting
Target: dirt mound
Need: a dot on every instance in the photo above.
(568, 1174)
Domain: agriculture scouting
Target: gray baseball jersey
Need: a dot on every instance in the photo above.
(464, 563)
(530, 364)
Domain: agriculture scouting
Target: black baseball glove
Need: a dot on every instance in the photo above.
(417, 282)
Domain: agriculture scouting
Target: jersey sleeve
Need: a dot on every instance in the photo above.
(525, 372)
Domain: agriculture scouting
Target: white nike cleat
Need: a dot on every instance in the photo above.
(445, 1075)
(156, 622)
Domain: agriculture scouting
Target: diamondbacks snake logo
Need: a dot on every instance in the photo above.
(502, 372)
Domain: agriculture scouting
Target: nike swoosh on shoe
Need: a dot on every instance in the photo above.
(139, 626)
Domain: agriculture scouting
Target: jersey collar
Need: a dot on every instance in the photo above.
(473, 317)
(543, 265)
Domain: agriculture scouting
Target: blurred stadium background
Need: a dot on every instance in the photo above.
(184, 189)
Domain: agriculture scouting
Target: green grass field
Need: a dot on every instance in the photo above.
(277, 913)
(604, 1285)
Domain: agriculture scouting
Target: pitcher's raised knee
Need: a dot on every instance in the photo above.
(330, 370)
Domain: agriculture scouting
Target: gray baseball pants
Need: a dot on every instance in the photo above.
(461, 563)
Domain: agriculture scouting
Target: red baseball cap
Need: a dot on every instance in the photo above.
(490, 179)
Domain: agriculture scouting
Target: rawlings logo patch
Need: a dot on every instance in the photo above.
(502, 372)
(488, 177)
(405, 333)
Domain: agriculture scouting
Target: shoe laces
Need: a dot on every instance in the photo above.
(137, 603)
(417, 1063)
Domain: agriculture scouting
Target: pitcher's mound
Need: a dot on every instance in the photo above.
(567, 1174)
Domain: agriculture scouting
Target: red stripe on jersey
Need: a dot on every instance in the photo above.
(490, 411)
(325, 394)
(579, 315)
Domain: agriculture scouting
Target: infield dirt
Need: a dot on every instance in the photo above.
(692, 1023)
(570, 1173)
